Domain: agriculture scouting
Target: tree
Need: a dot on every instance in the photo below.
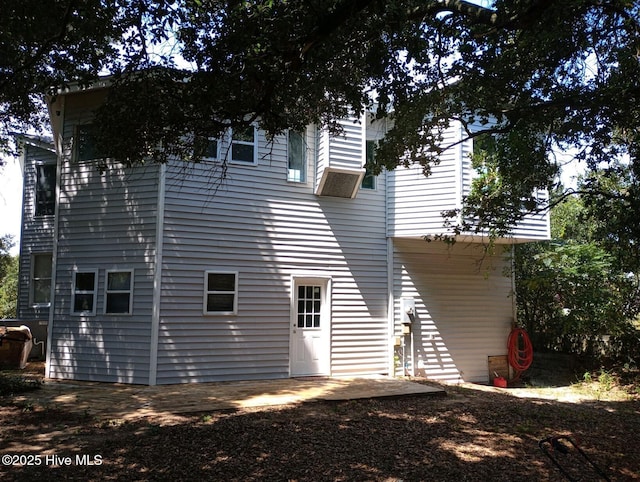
(537, 75)
(8, 279)
(585, 283)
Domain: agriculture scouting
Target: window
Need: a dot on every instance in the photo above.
(86, 149)
(83, 292)
(243, 145)
(221, 292)
(297, 154)
(211, 149)
(45, 202)
(369, 179)
(41, 279)
(119, 292)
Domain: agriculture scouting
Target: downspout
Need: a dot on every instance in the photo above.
(390, 306)
(59, 146)
(157, 279)
(390, 264)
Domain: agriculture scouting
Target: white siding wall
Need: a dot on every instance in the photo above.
(463, 307)
(106, 222)
(534, 227)
(345, 150)
(267, 230)
(416, 202)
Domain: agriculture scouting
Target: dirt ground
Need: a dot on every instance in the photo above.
(472, 433)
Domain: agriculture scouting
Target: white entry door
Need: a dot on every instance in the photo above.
(310, 327)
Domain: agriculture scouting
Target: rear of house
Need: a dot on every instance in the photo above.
(298, 264)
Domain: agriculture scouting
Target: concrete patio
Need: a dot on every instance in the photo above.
(106, 400)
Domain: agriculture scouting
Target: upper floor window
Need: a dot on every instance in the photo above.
(119, 292)
(297, 157)
(369, 179)
(41, 269)
(244, 145)
(83, 292)
(45, 201)
(211, 150)
(85, 144)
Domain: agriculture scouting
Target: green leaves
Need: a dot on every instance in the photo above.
(536, 75)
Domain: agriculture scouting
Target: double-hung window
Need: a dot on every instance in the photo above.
(119, 292)
(220, 293)
(41, 268)
(83, 292)
(297, 157)
(244, 146)
(45, 201)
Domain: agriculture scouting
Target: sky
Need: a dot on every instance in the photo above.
(11, 200)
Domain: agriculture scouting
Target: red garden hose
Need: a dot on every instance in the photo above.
(520, 352)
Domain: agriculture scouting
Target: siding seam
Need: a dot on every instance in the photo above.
(54, 257)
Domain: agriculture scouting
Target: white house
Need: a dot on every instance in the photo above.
(297, 265)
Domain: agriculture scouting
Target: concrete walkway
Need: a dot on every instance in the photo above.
(106, 400)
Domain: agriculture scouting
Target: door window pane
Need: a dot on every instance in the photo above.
(309, 306)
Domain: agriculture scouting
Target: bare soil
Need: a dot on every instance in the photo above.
(472, 433)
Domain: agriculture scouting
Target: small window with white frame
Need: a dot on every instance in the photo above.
(220, 293)
(41, 270)
(119, 292)
(244, 148)
(297, 157)
(84, 288)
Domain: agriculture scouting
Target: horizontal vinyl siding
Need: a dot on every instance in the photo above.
(463, 307)
(345, 150)
(416, 202)
(267, 230)
(106, 222)
(534, 227)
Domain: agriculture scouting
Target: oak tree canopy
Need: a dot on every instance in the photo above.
(530, 78)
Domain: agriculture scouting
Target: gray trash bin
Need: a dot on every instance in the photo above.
(15, 346)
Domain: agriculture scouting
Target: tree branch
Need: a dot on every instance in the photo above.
(46, 44)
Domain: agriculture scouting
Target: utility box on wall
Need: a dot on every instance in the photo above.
(407, 314)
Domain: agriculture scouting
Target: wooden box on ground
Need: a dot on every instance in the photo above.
(15, 346)
(498, 365)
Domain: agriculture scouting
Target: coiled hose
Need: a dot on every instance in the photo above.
(520, 352)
